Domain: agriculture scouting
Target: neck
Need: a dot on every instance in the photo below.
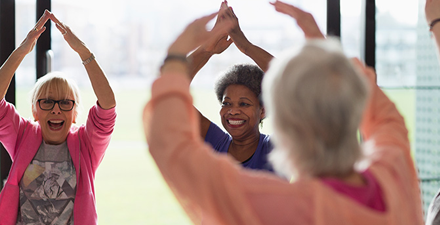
(242, 150)
(353, 178)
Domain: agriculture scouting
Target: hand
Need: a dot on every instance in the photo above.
(74, 42)
(31, 39)
(432, 10)
(221, 42)
(195, 34)
(366, 70)
(304, 19)
(235, 33)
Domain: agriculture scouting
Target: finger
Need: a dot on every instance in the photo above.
(223, 27)
(58, 22)
(61, 29)
(224, 5)
(35, 34)
(39, 32)
(222, 12)
(229, 13)
(207, 18)
(43, 19)
(287, 9)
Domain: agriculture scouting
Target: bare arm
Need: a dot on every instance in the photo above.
(11, 64)
(100, 84)
(186, 42)
(198, 58)
(260, 56)
(201, 56)
(216, 45)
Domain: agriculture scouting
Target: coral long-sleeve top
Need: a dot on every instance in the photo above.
(214, 190)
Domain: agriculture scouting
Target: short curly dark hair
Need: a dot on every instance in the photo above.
(243, 74)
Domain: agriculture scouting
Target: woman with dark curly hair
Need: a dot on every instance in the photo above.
(239, 93)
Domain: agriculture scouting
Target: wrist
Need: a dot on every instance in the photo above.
(202, 52)
(88, 60)
(85, 54)
(175, 62)
(174, 67)
(240, 41)
(20, 52)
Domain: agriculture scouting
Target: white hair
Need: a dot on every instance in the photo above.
(316, 100)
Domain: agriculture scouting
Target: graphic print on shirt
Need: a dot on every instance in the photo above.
(48, 186)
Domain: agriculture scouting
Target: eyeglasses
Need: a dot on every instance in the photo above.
(48, 104)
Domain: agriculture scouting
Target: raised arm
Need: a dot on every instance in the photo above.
(8, 69)
(382, 121)
(260, 56)
(197, 59)
(216, 45)
(189, 167)
(432, 14)
(100, 84)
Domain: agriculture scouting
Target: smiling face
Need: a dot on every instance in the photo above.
(241, 112)
(55, 123)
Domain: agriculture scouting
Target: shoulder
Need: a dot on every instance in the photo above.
(215, 133)
(217, 138)
(265, 142)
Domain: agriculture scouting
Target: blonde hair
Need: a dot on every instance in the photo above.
(316, 98)
(60, 84)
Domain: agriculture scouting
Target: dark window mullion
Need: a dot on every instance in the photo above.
(44, 42)
(369, 32)
(7, 46)
(334, 18)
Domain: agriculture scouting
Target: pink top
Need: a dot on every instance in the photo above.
(212, 188)
(369, 195)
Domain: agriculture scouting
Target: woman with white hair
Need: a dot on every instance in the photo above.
(51, 180)
(317, 99)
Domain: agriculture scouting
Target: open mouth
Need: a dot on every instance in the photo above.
(236, 122)
(55, 124)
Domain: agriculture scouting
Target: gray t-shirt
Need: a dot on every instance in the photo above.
(48, 187)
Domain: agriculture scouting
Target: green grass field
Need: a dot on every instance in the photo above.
(129, 188)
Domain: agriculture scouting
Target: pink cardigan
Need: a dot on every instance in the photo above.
(215, 190)
(87, 145)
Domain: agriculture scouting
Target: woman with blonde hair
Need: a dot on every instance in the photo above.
(51, 180)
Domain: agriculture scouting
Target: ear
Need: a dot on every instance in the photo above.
(75, 114)
(262, 113)
(34, 114)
